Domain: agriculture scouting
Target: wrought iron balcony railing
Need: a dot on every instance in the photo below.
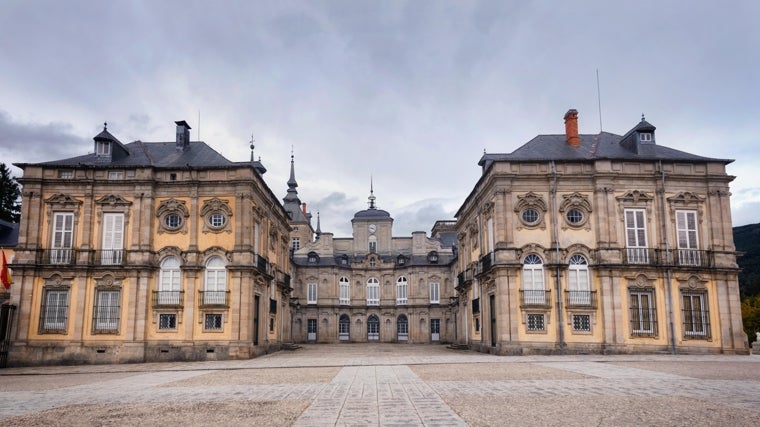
(535, 298)
(168, 299)
(110, 257)
(58, 256)
(213, 299)
(580, 299)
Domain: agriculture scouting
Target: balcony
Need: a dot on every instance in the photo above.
(580, 299)
(168, 299)
(262, 265)
(213, 299)
(690, 258)
(109, 257)
(486, 262)
(59, 256)
(535, 298)
(640, 256)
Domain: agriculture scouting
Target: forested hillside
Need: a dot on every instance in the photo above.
(747, 241)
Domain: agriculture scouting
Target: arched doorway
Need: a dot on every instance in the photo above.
(344, 325)
(402, 328)
(373, 328)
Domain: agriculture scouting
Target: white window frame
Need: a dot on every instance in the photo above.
(112, 250)
(642, 303)
(696, 317)
(533, 280)
(56, 314)
(63, 238)
(402, 291)
(311, 293)
(107, 310)
(636, 239)
(435, 293)
(373, 291)
(215, 281)
(402, 327)
(344, 291)
(687, 233)
(579, 281)
(295, 243)
(170, 282)
(102, 148)
(372, 244)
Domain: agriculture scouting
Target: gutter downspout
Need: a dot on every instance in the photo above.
(558, 284)
(669, 296)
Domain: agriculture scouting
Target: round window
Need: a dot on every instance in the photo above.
(173, 221)
(575, 216)
(217, 220)
(530, 216)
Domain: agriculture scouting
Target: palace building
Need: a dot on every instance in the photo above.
(573, 243)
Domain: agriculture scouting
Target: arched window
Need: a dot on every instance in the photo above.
(373, 328)
(402, 328)
(344, 325)
(578, 284)
(402, 287)
(373, 291)
(216, 282)
(533, 281)
(170, 282)
(344, 289)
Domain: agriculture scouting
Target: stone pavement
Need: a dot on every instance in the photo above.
(409, 385)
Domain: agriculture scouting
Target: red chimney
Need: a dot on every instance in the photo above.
(303, 208)
(571, 128)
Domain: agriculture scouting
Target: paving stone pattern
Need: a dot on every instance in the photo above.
(375, 386)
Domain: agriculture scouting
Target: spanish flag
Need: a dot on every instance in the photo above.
(5, 274)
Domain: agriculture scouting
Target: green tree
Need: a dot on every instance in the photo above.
(10, 192)
(751, 316)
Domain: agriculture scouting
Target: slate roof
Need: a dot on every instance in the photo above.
(604, 145)
(154, 154)
(372, 213)
(8, 233)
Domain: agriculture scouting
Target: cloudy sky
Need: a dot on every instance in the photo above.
(409, 93)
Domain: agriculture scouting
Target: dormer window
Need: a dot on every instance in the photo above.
(433, 257)
(313, 258)
(401, 260)
(102, 148)
(645, 137)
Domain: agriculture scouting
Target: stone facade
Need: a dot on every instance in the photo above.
(148, 252)
(599, 243)
(373, 286)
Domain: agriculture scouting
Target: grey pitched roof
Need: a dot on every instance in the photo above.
(604, 145)
(155, 154)
(372, 213)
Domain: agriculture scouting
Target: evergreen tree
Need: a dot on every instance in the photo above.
(10, 193)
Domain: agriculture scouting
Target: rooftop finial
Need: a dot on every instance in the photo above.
(371, 193)
(105, 125)
(642, 117)
(252, 146)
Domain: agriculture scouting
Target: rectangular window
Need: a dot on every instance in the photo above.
(66, 174)
(102, 148)
(115, 174)
(107, 311)
(401, 293)
(213, 322)
(643, 312)
(637, 251)
(113, 239)
(536, 322)
(295, 243)
(55, 311)
(63, 238)
(435, 293)
(311, 329)
(696, 317)
(345, 292)
(256, 232)
(688, 242)
(311, 293)
(167, 321)
(489, 226)
(581, 322)
(373, 295)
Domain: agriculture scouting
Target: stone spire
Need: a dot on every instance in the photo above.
(292, 195)
(371, 194)
(319, 229)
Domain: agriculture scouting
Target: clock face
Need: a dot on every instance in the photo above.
(372, 228)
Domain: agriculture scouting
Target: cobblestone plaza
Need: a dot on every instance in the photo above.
(387, 384)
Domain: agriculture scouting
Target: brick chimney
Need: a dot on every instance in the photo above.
(571, 128)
